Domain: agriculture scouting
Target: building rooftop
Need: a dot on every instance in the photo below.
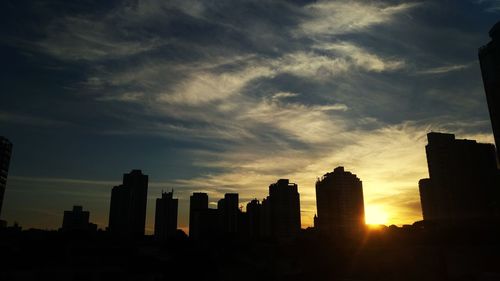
(495, 31)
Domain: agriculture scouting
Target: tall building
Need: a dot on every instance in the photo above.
(489, 58)
(282, 207)
(5, 153)
(198, 204)
(127, 215)
(230, 213)
(265, 218)
(166, 216)
(254, 214)
(340, 205)
(428, 199)
(463, 183)
(77, 220)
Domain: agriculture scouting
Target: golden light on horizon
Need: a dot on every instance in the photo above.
(376, 215)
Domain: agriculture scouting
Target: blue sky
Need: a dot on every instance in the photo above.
(229, 96)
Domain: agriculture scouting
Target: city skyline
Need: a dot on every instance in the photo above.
(274, 110)
(339, 193)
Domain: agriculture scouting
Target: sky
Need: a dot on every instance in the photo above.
(230, 96)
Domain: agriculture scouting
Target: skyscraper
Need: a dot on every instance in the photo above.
(230, 213)
(489, 58)
(254, 213)
(127, 215)
(198, 204)
(166, 216)
(428, 199)
(5, 153)
(282, 207)
(340, 204)
(463, 181)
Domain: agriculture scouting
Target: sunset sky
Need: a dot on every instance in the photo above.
(229, 96)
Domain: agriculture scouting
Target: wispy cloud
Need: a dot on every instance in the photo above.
(283, 95)
(338, 17)
(492, 6)
(360, 57)
(206, 87)
(31, 120)
(444, 69)
(76, 38)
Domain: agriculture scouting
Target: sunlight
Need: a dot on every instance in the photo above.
(376, 215)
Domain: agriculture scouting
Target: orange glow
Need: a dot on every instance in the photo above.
(376, 215)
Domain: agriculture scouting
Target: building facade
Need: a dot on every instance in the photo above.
(166, 216)
(127, 216)
(463, 183)
(230, 213)
(254, 215)
(282, 209)
(77, 220)
(340, 203)
(489, 58)
(198, 204)
(5, 155)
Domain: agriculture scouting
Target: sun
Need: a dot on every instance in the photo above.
(376, 215)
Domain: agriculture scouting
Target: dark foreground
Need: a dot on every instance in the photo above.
(410, 253)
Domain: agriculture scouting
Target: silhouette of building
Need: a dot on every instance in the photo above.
(127, 216)
(198, 204)
(463, 181)
(5, 154)
(206, 223)
(489, 58)
(229, 213)
(254, 214)
(77, 220)
(282, 210)
(166, 216)
(428, 199)
(339, 201)
(265, 218)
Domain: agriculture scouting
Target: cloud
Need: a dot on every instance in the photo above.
(77, 38)
(444, 69)
(124, 97)
(283, 95)
(206, 87)
(31, 120)
(339, 17)
(361, 57)
(220, 78)
(492, 6)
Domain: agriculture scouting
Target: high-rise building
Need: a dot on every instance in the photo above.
(230, 212)
(5, 153)
(77, 220)
(166, 216)
(254, 214)
(340, 204)
(198, 204)
(127, 215)
(489, 58)
(428, 199)
(265, 218)
(282, 207)
(463, 183)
